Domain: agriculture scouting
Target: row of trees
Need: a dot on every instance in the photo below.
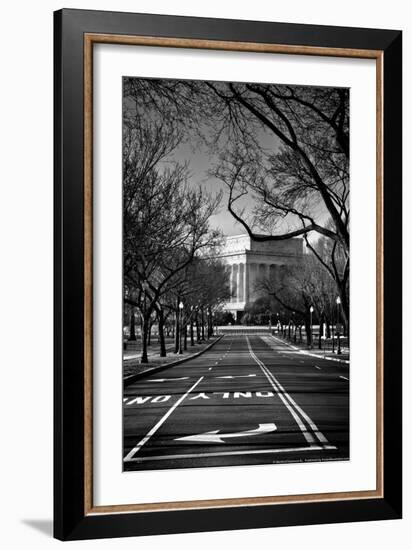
(282, 155)
(183, 310)
(168, 241)
(304, 294)
(300, 185)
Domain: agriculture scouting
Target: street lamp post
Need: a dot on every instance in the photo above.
(338, 303)
(192, 340)
(311, 326)
(197, 325)
(180, 327)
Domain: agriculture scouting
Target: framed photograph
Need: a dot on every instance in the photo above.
(227, 274)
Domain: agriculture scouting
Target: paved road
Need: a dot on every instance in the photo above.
(248, 400)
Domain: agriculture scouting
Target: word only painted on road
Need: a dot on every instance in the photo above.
(202, 396)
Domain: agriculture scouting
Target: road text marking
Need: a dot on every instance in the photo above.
(149, 434)
(246, 394)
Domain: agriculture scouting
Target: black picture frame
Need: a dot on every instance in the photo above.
(71, 521)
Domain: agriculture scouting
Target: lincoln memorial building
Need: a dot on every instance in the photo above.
(250, 261)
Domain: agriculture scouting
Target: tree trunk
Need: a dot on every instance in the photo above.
(308, 330)
(160, 317)
(185, 337)
(192, 340)
(132, 336)
(203, 325)
(197, 328)
(145, 330)
(210, 327)
(149, 334)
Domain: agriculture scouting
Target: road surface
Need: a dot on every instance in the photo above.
(248, 400)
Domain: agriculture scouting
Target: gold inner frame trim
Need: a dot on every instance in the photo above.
(89, 40)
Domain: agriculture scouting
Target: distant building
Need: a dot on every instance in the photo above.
(250, 261)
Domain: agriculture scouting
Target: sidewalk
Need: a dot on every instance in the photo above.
(132, 365)
(153, 351)
(315, 351)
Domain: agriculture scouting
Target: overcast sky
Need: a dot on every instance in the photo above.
(201, 160)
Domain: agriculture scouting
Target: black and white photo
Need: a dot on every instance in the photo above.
(235, 273)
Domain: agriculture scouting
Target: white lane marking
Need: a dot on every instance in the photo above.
(315, 429)
(210, 368)
(234, 453)
(313, 426)
(308, 436)
(316, 367)
(304, 352)
(216, 437)
(149, 434)
(168, 379)
(237, 376)
(306, 417)
(281, 342)
(344, 378)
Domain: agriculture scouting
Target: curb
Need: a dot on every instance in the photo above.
(345, 361)
(137, 355)
(133, 377)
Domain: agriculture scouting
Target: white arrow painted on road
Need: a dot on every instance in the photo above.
(167, 379)
(213, 437)
(240, 376)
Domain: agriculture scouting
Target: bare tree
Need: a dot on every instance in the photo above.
(283, 149)
(204, 287)
(166, 221)
(287, 146)
(301, 287)
(301, 185)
